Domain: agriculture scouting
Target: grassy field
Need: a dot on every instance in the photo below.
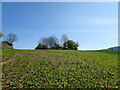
(59, 69)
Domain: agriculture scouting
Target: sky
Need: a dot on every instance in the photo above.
(93, 24)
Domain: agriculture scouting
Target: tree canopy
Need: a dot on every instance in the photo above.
(71, 45)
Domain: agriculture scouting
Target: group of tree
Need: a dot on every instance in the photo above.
(9, 39)
(53, 43)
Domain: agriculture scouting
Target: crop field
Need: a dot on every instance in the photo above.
(59, 69)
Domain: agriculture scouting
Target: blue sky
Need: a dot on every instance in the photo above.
(93, 24)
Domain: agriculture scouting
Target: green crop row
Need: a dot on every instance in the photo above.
(59, 69)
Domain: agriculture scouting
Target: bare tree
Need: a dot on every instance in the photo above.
(52, 41)
(64, 38)
(11, 38)
(44, 41)
(49, 41)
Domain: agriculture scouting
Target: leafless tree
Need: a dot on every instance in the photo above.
(11, 38)
(49, 41)
(64, 38)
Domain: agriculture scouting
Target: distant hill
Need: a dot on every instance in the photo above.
(116, 48)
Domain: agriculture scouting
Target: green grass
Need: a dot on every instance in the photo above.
(60, 69)
(109, 52)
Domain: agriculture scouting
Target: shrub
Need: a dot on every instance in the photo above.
(40, 46)
(7, 43)
(56, 46)
(70, 45)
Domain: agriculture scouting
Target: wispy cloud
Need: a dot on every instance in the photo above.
(87, 21)
(103, 21)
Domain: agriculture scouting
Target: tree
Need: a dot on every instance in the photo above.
(76, 46)
(44, 41)
(64, 38)
(49, 41)
(52, 41)
(56, 46)
(11, 38)
(1, 34)
(71, 45)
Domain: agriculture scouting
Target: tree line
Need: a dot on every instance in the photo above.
(52, 42)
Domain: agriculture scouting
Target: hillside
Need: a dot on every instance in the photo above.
(117, 48)
(59, 69)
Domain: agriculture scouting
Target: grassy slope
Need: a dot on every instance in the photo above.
(109, 52)
(59, 68)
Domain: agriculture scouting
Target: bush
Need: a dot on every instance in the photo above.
(40, 46)
(71, 45)
(56, 46)
(7, 43)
